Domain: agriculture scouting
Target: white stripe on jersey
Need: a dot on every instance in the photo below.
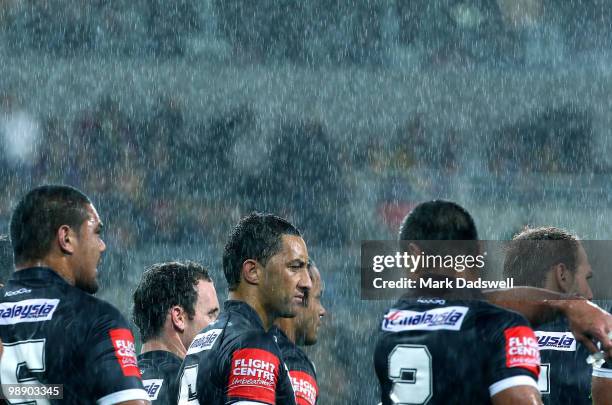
(248, 403)
(125, 395)
(511, 382)
(602, 372)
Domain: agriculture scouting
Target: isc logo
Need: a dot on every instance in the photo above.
(152, 387)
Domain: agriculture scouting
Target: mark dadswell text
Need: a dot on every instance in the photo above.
(446, 284)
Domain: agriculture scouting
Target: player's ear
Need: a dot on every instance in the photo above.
(251, 271)
(178, 317)
(65, 237)
(563, 277)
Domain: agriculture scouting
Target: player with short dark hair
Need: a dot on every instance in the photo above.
(535, 252)
(554, 259)
(235, 360)
(480, 353)
(302, 331)
(172, 303)
(53, 330)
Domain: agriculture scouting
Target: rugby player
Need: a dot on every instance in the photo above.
(302, 331)
(554, 259)
(479, 353)
(172, 303)
(54, 331)
(235, 360)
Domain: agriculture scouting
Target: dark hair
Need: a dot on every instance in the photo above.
(38, 216)
(532, 252)
(6, 259)
(164, 285)
(438, 220)
(256, 236)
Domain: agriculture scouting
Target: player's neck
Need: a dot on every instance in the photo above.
(174, 346)
(55, 264)
(286, 325)
(239, 295)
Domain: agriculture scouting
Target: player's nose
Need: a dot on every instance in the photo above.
(305, 282)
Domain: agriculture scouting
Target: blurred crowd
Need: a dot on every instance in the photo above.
(506, 32)
(168, 179)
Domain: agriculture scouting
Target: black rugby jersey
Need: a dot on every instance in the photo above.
(565, 376)
(301, 370)
(159, 369)
(54, 333)
(235, 361)
(438, 351)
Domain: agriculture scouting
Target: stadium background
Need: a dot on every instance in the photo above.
(179, 117)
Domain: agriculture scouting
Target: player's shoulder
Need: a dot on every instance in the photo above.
(487, 313)
(159, 364)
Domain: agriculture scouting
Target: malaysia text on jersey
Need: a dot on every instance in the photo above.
(159, 369)
(54, 333)
(301, 370)
(235, 361)
(436, 351)
(565, 377)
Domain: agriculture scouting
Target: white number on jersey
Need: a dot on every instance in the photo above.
(187, 391)
(411, 372)
(19, 361)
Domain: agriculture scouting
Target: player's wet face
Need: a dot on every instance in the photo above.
(309, 317)
(206, 311)
(582, 275)
(88, 250)
(285, 277)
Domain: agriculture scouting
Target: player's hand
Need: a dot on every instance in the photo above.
(588, 322)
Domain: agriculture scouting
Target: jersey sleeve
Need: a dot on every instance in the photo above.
(254, 371)
(513, 357)
(302, 376)
(111, 366)
(605, 371)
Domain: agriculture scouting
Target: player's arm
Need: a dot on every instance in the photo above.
(601, 389)
(110, 360)
(587, 321)
(257, 354)
(601, 384)
(521, 395)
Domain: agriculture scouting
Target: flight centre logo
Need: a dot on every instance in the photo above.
(34, 310)
(254, 375)
(125, 351)
(450, 318)
(304, 387)
(522, 349)
(561, 341)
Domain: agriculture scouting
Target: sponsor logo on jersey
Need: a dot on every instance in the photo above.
(125, 351)
(253, 375)
(304, 387)
(449, 318)
(435, 301)
(34, 310)
(204, 341)
(522, 349)
(153, 387)
(17, 292)
(562, 341)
